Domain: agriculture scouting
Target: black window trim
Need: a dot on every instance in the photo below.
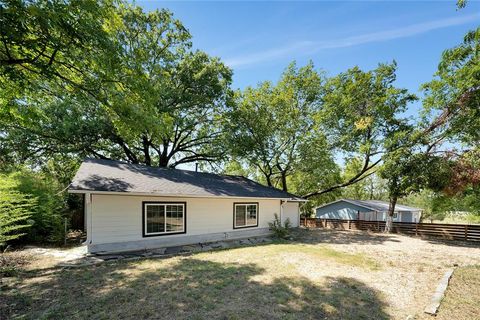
(144, 233)
(246, 203)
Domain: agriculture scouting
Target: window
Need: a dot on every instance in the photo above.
(395, 215)
(245, 215)
(163, 218)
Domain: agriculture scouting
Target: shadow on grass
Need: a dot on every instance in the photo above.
(186, 288)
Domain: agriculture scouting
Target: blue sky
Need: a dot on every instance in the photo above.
(259, 39)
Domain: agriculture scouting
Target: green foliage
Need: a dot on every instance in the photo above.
(371, 188)
(37, 197)
(408, 172)
(271, 126)
(361, 117)
(144, 97)
(316, 168)
(15, 210)
(361, 109)
(105, 79)
(54, 42)
(280, 231)
(452, 113)
(461, 4)
(455, 92)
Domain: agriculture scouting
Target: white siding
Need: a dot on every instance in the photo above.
(290, 211)
(118, 218)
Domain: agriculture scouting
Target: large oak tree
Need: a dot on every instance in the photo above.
(149, 98)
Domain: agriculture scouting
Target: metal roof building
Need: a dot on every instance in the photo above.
(371, 210)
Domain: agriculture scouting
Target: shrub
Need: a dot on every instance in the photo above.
(15, 211)
(278, 230)
(45, 214)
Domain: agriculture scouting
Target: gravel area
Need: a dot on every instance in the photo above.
(411, 267)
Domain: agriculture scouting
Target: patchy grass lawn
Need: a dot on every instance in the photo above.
(320, 275)
(462, 298)
(252, 282)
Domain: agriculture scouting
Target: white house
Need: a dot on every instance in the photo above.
(370, 210)
(134, 207)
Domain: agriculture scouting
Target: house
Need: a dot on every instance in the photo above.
(134, 207)
(371, 210)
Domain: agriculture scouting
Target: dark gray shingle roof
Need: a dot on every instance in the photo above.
(377, 205)
(116, 176)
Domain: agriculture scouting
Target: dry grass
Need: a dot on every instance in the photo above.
(249, 282)
(10, 264)
(462, 298)
(321, 275)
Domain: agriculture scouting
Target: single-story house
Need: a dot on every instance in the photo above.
(370, 210)
(134, 207)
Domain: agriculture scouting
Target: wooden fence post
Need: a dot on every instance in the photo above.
(466, 232)
(416, 228)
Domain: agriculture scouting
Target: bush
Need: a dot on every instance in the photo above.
(278, 230)
(15, 211)
(45, 214)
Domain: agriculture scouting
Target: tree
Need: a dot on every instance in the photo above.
(360, 115)
(370, 188)
(158, 104)
(407, 172)
(270, 125)
(53, 41)
(453, 96)
(452, 115)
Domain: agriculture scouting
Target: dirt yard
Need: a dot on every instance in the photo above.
(320, 274)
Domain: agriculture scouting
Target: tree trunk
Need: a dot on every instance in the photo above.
(284, 181)
(146, 151)
(269, 180)
(163, 158)
(391, 212)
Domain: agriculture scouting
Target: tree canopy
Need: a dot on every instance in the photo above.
(361, 116)
(271, 126)
(157, 103)
(106, 79)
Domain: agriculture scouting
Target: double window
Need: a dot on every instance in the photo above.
(245, 215)
(161, 218)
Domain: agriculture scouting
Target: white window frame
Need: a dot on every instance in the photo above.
(164, 204)
(245, 204)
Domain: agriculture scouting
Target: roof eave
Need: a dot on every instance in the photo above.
(151, 194)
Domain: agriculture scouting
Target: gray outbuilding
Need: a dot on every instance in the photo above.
(370, 210)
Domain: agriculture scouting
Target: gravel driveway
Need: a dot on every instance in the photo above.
(411, 267)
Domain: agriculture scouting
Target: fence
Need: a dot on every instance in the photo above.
(463, 232)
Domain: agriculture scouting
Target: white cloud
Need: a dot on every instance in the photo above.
(315, 46)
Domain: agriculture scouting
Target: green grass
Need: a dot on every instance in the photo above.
(462, 298)
(250, 282)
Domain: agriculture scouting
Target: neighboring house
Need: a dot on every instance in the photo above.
(371, 210)
(133, 207)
